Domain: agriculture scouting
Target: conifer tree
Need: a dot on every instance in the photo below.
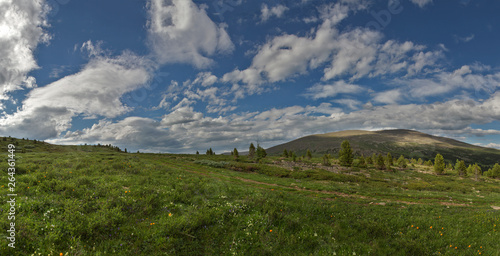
(251, 151)
(261, 152)
(439, 164)
(235, 154)
(308, 154)
(345, 154)
(460, 167)
(380, 164)
(285, 153)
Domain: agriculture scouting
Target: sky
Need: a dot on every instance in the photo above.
(181, 76)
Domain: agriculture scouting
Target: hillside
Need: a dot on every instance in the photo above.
(411, 144)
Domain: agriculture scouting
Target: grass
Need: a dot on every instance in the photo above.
(110, 203)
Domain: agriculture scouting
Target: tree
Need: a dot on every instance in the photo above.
(420, 161)
(285, 153)
(345, 154)
(125, 150)
(369, 160)
(251, 151)
(460, 167)
(261, 152)
(294, 157)
(402, 162)
(308, 154)
(495, 172)
(235, 154)
(362, 162)
(389, 160)
(197, 152)
(326, 160)
(380, 163)
(474, 170)
(439, 164)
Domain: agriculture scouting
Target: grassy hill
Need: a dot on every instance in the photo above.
(75, 201)
(411, 144)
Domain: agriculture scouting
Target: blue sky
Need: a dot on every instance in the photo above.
(185, 75)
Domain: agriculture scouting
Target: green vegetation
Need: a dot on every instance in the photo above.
(345, 154)
(91, 200)
(439, 164)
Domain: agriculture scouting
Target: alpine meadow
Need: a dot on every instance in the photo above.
(249, 127)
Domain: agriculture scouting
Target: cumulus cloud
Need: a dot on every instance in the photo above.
(267, 12)
(354, 53)
(388, 97)
(467, 77)
(94, 91)
(22, 29)
(179, 31)
(189, 130)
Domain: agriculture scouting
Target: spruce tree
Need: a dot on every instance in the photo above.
(380, 163)
(439, 164)
(285, 153)
(235, 154)
(308, 154)
(388, 160)
(460, 167)
(345, 154)
(261, 152)
(326, 160)
(251, 151)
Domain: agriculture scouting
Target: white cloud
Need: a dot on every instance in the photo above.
(350, 103)
(94, 91)
(388, 97)
(267, 12)
(421, 3)
(22, 24)
(320, 91)
(181, 32)
(355, 53)
(466, 78)
(189, 130)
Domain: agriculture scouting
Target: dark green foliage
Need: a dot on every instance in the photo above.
(439, 164)
(285, 153)
(460, 167)
(326, 160)
(235, 154)
(251, 151)
(369, 160)
(261, 153)
(380, 163)
(308, 154)
(345, 154)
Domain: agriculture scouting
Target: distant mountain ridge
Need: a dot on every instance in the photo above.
(410, 143)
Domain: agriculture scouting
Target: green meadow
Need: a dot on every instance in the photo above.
(92, 201)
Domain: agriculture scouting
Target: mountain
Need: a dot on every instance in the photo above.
(411, 144)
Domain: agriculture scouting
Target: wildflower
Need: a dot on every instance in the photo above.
(417, 227)
(412, 226)
(270, 230)
(170, 215)
(61, 254)
(431, 227)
